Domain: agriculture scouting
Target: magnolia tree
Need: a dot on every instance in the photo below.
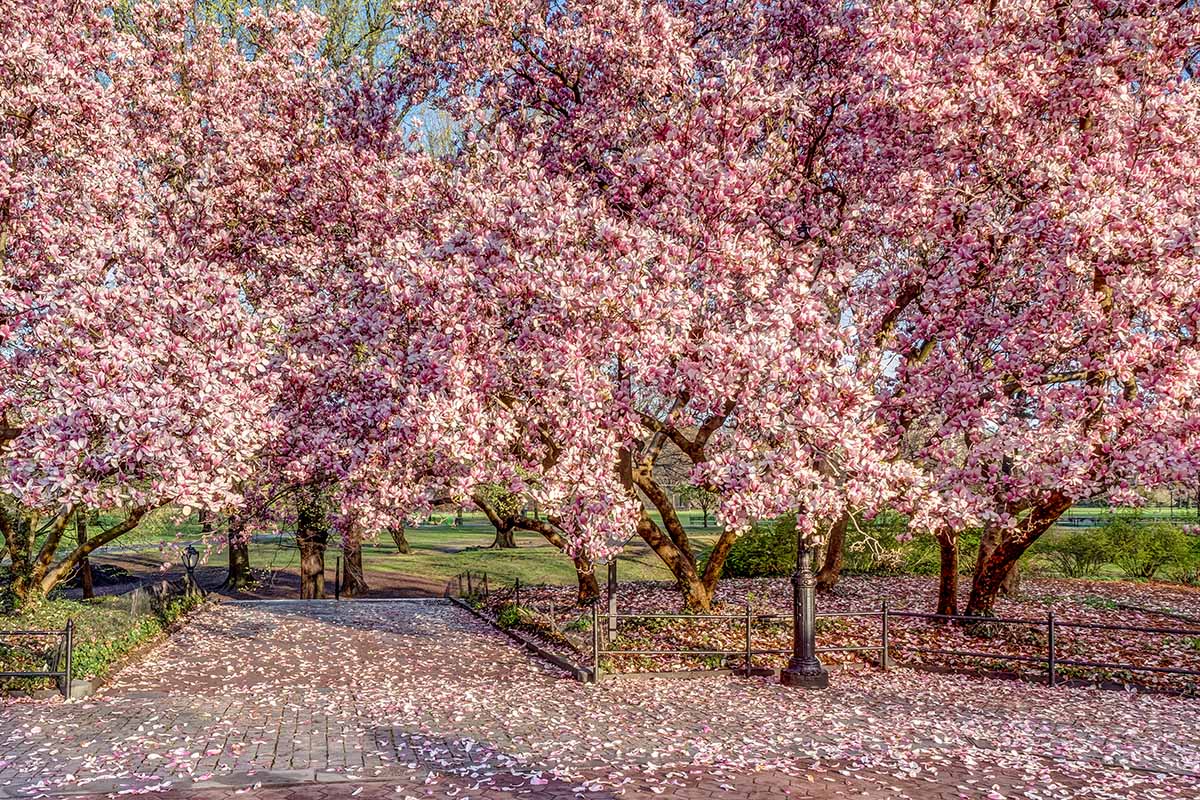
(643, 242)
(135, 374)
(1036, 259)
(835, 257)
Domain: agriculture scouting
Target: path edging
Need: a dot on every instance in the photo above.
(579, 673)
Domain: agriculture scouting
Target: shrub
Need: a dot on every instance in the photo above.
(1142, 549)
(105, 633)
(1186, 569)
(509, 617)
(1074, 553)
(874, 547)
(767, 551)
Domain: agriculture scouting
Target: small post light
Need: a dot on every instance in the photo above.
(191, 557)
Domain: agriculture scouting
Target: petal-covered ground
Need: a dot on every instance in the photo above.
(1149, 605)
(418, 699)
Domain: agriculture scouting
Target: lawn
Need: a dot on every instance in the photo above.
(442, 551)
(439, 549)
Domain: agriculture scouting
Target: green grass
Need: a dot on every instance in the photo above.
(442, 552)
(1164, 512)
(105, 632)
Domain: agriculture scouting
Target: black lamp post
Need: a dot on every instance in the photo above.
(612, 598)
(804, 669)
(191, 557)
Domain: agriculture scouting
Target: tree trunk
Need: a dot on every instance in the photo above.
(85, 566)
(504, 525)
(505, 540)
(835, 548)
(1011, 585)
(704, 511)
(19, 542)
(312, 567)
(991, 571)
(30, 563)
(988, 541)
(674, 547)
(948, 580)
(35, 576)
(312, 534)
(402, 546)
(589, 589)
(695, 596)
(354, 580)
(45, 577)
(238, 543)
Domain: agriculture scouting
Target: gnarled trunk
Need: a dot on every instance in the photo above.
(948, 577)
(505, 540)
(835, 549)
(35, 576)
(672, 545)
(238, 543)
(504, 525)
(1011, 584)
(312, 567)
(354, 581)
(402, 546)
(992, 571)
(312, 534)
(589, 589)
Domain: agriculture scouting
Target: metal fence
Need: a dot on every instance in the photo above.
(746, 621)
(141, 602)
(58, 667)
(1049, 659)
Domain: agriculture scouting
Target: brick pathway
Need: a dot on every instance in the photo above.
(410, 699)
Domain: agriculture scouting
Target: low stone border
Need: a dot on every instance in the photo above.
(581, 674)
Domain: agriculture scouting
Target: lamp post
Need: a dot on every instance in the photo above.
(612, 598)
(804, 670)
(191, 557)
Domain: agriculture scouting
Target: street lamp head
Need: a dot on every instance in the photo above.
(191, 557)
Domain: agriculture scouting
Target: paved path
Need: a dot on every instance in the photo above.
(414, 699)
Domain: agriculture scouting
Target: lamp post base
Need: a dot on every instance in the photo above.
(805, 676)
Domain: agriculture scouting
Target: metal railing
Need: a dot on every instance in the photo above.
(885, 648)
(62, 657)
(1050, 657)
(475, 585)
(747, 652)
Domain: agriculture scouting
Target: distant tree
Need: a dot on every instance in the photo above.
(503, 509)
(693, 496)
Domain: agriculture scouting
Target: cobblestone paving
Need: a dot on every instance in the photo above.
(409, 699)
